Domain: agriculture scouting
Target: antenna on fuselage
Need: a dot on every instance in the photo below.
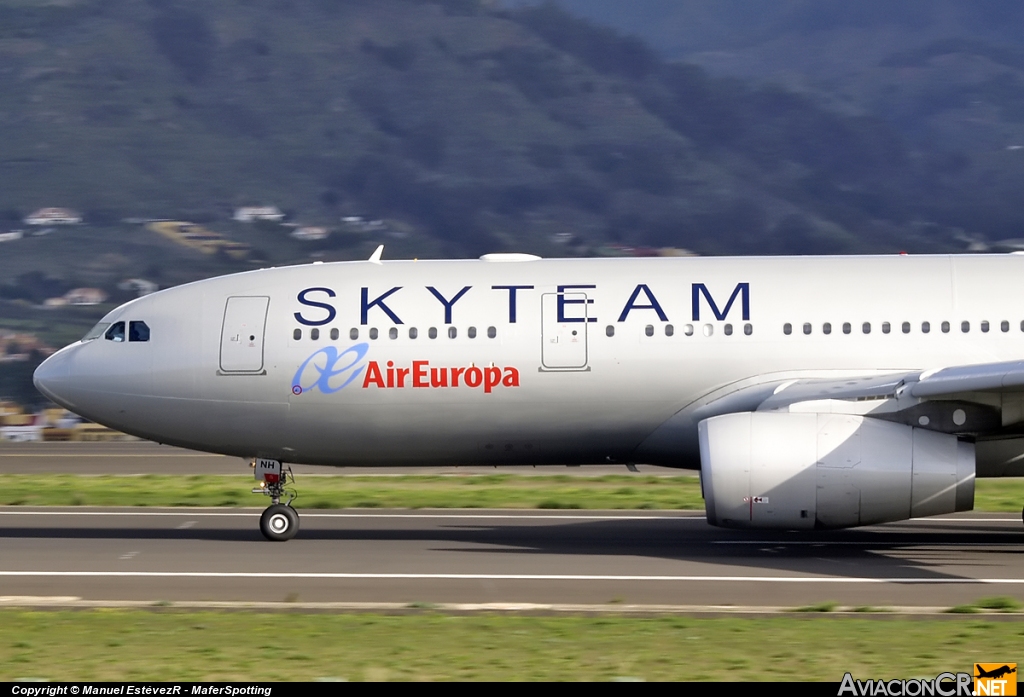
(375, 257)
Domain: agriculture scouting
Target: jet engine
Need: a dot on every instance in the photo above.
(781, 470)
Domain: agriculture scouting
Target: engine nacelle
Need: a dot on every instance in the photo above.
(790, 471)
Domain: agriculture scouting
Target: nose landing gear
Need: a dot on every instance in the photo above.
(279, 522)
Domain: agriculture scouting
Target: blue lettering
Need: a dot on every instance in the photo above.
(379, 302)
(328, 370)
(742, 290)
(448, 303)
(511, 299)
(562, 302)
(631, 304)
(331, 312)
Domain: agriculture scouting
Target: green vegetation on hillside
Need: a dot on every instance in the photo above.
(482, 129)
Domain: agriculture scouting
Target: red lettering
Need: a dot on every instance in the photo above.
(373, 376)
(402, 373)
(456, 372)
(511, 378)
(492, 378)
(439, 377)
(474, 376)
(419, 374)
(391, 375)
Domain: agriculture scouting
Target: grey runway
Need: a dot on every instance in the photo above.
(590, 558)
(143, 457)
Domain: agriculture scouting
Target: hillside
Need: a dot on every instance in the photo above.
(480, 129)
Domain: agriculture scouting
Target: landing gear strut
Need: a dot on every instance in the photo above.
(279, 522)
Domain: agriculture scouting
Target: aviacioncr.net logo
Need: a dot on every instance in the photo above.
(329, 370)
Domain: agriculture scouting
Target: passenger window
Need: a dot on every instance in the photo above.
(708, 330)
(353, 333)
(413, 332)
(393, 333)
(297, 335)
(906, 327)
(886, 327)
(335, 334)
(373, 333)
(492, 332)
(807, 327)
(787, 328)
(1004, 326)
(452, 332)
(826, 328)
(471, 332)
(139, 331)
(945, 327)
(115, 333)
(688, 329)
(649, 330)
(847, 328)
(926, 327)
(727, 329)
(432, 332)
(748, 329)
(866, 328)
(314, 334)
(965, 327)
(609, 330)
(984, 326)
(669, 330)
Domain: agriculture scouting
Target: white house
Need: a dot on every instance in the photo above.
(248, 214)
(85, 296)
(54, 216)
(140, 285)
(310, 233)
(11, 236)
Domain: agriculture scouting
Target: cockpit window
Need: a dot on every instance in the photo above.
(138, 331)
(96, 332)
(115, 333)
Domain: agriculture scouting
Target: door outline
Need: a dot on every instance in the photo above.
(263, 337)
(548, 321)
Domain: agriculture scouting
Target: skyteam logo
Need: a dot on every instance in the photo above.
(329, 370)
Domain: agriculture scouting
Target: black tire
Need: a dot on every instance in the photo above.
(279, 523)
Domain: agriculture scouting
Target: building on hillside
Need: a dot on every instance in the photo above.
(85, 296)
(310, 233)
(139, 285)
(11, 236)
(250, 214)
(54, 216)
(22, 434)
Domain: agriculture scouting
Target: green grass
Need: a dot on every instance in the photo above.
(609, 492)
(167, 644)
(476, 491)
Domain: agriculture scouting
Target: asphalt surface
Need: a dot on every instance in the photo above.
(500, 557)
(143, 457)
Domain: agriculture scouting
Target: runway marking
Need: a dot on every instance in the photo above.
(506, 577)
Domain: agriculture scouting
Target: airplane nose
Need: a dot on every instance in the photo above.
(51, 375)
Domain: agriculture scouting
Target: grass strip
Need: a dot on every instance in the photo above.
(118, 645)
(608, 492)
(473, 491)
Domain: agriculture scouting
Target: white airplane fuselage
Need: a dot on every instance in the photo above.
(523, 362)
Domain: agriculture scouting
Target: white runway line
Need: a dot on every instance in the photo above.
(506, 577)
